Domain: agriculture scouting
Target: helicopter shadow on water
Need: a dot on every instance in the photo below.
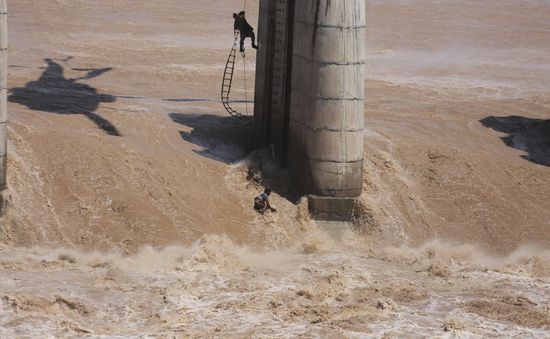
(53, 93)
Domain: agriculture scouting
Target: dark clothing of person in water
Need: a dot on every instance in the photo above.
(261, 202)
(245, 30)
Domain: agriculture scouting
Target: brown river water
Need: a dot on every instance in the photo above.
(128, 208)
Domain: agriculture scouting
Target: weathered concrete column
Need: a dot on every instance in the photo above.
(262, 92)
(327, 104)
(3, 90)
(273, 74)
(310, 97)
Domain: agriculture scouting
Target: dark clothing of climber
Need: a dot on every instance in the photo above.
(245, 30)
(241, 24)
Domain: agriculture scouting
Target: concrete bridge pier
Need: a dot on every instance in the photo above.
(3, 90)
(313, 106)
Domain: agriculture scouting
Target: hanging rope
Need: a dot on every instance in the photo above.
(245, 89)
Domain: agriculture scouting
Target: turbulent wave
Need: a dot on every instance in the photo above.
(322, 286)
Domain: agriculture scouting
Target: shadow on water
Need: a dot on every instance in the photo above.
(222, 138)
(54, 93)
(529, 135)
(226, 139)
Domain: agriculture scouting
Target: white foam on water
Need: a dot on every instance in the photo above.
(217, 285)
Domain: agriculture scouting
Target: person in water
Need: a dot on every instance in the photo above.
(244, 28)
(261, 202)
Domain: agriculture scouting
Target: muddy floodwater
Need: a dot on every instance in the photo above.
(128, 210)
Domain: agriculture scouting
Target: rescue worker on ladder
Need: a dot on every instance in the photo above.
(245, 30)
